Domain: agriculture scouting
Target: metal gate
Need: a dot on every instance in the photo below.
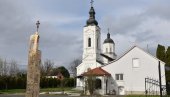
(152, 87)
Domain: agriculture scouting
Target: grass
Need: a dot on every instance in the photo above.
(55, 89)
(13, 91)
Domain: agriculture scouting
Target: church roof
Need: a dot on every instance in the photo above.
(131, 50)
(97, 72)
(107, 57)
(91, 20)
(108, 39)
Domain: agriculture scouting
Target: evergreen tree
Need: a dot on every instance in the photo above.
(167, 73)
(64, 71)
(160, 53)
(168, 56)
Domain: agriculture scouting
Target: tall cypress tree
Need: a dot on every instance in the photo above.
(160, 53)
(168, 56)
(167, 73)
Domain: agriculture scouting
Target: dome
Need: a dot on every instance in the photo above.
(91, 20)
(108, 39)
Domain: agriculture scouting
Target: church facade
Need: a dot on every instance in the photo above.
(120, 76)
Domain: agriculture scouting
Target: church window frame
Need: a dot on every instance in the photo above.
(89, 42)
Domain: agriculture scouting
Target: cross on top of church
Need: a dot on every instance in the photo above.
(108, 30)
(91, 3)
(38, 24)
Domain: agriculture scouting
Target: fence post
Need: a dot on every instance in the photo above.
(145, 87)
(160, 81)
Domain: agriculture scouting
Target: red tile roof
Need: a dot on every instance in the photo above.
(96, 72)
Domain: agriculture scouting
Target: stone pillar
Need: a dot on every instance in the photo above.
(33, 71)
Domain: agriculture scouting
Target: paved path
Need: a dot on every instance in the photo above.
(24, 96)
(13, 95)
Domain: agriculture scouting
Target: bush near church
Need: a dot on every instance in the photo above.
(8, 82)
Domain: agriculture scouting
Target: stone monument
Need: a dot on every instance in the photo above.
(33, 71)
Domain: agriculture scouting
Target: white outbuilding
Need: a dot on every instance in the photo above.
(128, 72)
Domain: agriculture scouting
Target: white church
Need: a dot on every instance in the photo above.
(125, 74)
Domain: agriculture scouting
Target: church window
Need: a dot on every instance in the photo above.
(135, 62)
(97, 43)
(89, 42)
(119, 76)
(106, 50)
(110, 49)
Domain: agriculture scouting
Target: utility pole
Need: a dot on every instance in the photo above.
(160, 80)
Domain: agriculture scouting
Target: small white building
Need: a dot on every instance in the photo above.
(120, 76)
(128, 72)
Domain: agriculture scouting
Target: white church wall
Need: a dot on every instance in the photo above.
(134, 78)
(110, 47)
(82, 68)
(92, 52)
(109, 50)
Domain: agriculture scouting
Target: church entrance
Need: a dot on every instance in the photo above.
(96, 81)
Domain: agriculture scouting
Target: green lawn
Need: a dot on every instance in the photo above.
(55, 89)
(12, 91)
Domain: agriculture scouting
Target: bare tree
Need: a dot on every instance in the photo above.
(74, 64)
(1, 67)
(13, 70)
(8, 68)
(5, 68)
(46, 67)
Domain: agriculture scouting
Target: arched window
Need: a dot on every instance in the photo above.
(110, 49)
(106, 50)
(97, 43)
(89, 42)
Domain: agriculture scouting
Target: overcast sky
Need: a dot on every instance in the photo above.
(131, 22)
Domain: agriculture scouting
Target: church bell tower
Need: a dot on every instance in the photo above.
(109, 49)
(91, 47)
(91, 38)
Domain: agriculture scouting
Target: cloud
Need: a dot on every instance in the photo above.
(56, 42)
(143, 26)
(159, 9)
(61, 30)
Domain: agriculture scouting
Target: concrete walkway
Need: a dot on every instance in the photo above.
(15, 95)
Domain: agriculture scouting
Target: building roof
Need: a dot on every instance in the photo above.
(108, 39)
(96, 72)
(131, 50)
